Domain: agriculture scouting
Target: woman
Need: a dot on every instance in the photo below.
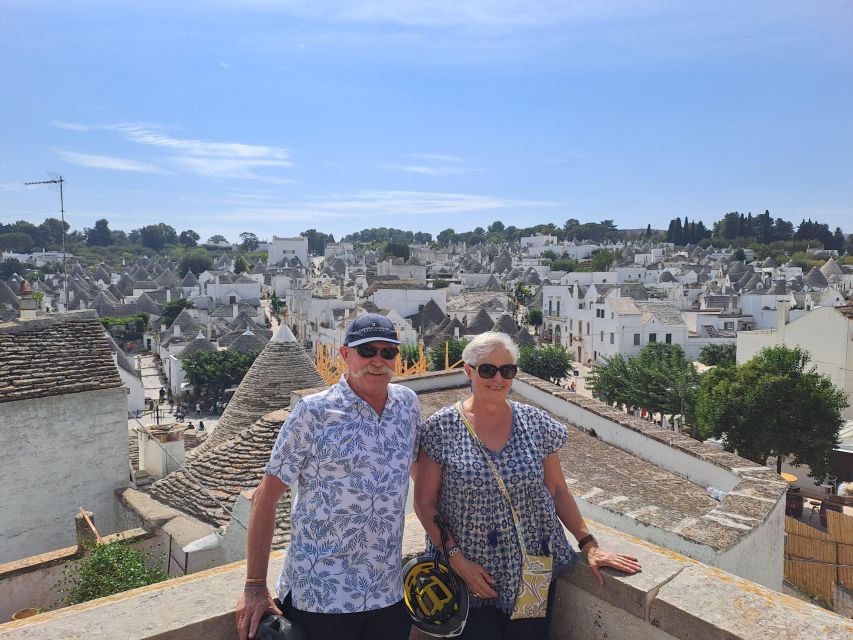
(454, 479)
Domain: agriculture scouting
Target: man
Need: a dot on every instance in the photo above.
(347, 453)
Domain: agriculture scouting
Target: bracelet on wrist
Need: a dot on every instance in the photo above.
(586, 540)
(254, 585)
(452, 551)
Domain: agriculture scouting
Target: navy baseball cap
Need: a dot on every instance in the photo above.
(370, 327)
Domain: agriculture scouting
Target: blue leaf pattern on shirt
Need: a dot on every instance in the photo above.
(351, 471)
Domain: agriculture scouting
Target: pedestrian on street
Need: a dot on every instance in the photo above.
(197, 409)
(347, 452)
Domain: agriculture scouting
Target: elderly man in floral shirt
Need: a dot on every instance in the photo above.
(347, 452)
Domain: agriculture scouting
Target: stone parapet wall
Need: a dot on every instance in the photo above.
(675, 597)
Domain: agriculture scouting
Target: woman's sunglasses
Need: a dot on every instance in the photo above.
(387, 353)
(508, 371)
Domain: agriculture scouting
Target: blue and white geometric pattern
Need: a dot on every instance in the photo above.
(350, 470)
(474, 508)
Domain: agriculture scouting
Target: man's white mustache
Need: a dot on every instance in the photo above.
(376, 370)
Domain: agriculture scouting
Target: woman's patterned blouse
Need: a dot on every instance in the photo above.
(474, 508)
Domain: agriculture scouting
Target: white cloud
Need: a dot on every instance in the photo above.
(454, 13)
(224, 65)
(428, 170)
(204, 158)
(70, 126)
(95, 161)
(435, 156)
(148, 136)
(244, 206)
(410, 203)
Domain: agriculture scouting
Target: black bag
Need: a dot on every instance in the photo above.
(278, 627)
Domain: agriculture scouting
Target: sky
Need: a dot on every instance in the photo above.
(276, 117)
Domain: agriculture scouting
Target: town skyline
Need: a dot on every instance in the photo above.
(340, 116)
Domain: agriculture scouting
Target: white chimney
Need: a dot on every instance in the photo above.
(783, 315)
(161, 449)
(176, 330)
(235, 309)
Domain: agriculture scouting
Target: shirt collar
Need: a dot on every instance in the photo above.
(350, 397)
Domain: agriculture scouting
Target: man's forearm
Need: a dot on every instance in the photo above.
(259, 535)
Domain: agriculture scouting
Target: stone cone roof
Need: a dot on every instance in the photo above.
(505, 324)
(480, 324)
(7, 296)
(226, 470)
(815, 279)
(831, 268)
(431, 313)
(199, 343)
(102, 274)
(247, 342)
(189, 280)
(523, 337)
(283, 366)
(492, 284)
(447, 333)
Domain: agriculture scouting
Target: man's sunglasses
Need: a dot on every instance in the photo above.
(508, 371)
(387, 353)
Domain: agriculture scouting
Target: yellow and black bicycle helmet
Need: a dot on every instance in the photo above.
(437, 601)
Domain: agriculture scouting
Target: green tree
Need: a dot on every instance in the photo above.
(10, 266)
(249, 241)
(51, 231)
(774, 406)
(173, 308)
(565, 263)
(549, 361)
(189, 238)
(240, 265)
(444, 238)
(317, 241)
(216, 239)
(214, 371)
(534, 317)
(440, 283)
(409, 354)
(718, 354)
(602, 260)
(455, 347)
(198, 261)
(18, 242)
(157, 236)
(99, 235)
(660, 380)
(126, 327)
(108, 569)
(398, 249)
(523, 294)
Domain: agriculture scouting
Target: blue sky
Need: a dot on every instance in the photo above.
(276, 117)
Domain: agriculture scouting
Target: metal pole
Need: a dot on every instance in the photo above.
(64, 255)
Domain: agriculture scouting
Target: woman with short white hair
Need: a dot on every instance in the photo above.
(492, 473)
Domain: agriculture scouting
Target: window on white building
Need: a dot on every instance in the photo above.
(601, 339)
(653, 337)
(611, 337)
(669, 338)
(636, 339)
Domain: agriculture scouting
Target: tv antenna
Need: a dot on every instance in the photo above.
(60, 181)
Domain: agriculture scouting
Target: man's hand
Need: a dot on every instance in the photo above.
(253, 604)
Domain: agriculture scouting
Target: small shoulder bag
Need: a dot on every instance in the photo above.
(531, 599)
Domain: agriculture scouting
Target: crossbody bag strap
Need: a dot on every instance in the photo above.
(501, 485)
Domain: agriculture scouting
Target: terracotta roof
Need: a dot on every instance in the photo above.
(55, 356)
